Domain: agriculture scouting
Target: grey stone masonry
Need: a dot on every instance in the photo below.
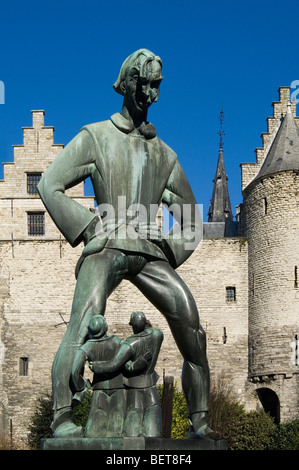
(271, 224)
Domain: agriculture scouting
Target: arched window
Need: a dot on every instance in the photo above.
(270, 402)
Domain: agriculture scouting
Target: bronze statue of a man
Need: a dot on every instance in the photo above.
(132, 171)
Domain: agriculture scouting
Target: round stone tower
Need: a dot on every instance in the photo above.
(271, 224)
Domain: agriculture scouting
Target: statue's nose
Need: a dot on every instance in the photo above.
(147, 92)
(145, 87)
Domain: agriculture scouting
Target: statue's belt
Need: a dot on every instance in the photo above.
(141, 381)
(115, 382)
(109, 226)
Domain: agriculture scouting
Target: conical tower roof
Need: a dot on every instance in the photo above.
(283, 154)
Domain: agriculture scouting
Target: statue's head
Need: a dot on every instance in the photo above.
(140, 78)
(97, 326)
(138, 321)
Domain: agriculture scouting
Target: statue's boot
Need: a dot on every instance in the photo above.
(199, 428)
(64, 426)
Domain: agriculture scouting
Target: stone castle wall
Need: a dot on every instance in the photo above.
(36, 295)
(272, 222)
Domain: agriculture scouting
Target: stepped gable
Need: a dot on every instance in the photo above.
(283, 154)
(280, 127)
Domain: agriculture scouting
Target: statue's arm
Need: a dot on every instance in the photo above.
(110, 367)
(140, 364)
(180, 201)
(74, 164)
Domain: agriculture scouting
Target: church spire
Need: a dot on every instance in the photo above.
(220, 207)
(221, 132)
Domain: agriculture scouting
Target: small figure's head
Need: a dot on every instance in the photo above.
(139, 79)
(138, 322)
(97, 327)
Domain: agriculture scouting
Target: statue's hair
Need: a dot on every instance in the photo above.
(138, 60)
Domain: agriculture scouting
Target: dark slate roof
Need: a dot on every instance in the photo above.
(283, 154)
(229, 228)
(220, 207)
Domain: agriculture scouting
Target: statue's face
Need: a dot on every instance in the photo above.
(141, 92)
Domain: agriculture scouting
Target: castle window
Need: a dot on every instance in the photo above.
(296, 277)
(36, 223)
(23, 366)
(224, 336)
(265, 205)
(32, 181)
(230, 293)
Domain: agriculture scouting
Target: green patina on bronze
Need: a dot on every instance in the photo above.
(127, 161)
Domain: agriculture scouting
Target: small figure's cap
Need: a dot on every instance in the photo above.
(97, 326)
(138, 321)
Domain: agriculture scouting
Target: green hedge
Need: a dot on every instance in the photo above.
(286, 436)
(180, 421)
(241, 430)
(39, 426)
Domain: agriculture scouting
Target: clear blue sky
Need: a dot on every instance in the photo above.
(64, 56)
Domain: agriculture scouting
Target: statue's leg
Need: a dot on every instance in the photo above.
(164, 288)
(97, 422)
(152, 420)
(99, 275)
(117, 407)
(133, 422)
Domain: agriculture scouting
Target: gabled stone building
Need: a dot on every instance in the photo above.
(37, 278)
(244, 276)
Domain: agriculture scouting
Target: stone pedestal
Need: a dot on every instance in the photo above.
(128, 443)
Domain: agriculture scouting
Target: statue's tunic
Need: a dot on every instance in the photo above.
(130, 172)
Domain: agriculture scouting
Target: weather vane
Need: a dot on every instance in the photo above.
(221, 132)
